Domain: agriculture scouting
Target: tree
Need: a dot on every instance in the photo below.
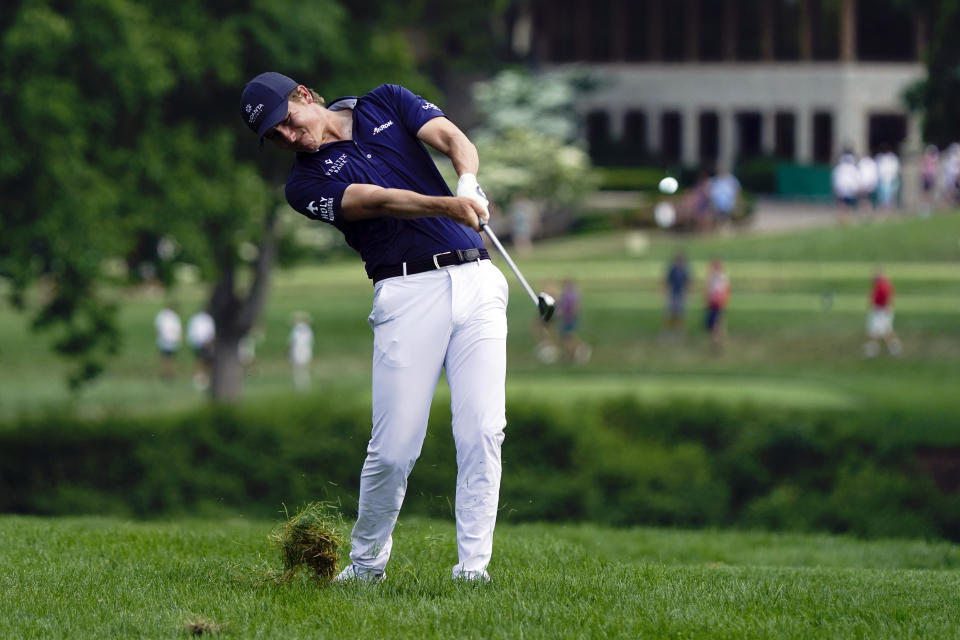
(937, 97)
(120, 130)
(529, 139)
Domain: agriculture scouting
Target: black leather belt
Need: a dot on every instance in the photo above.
(437, 261)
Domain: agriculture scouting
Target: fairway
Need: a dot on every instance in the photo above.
(795, 322)
(83, 578)
(768, 392)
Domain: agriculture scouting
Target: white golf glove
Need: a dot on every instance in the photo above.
(468, 187)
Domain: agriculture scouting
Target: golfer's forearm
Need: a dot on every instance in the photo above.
(369, 201)
(463, 155)
(448, 139)
(364, 201)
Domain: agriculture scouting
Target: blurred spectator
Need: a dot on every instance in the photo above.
(717, 296)
(301, 350)
(524, 218)
(880, 318)
(676, 283)
(724, 194)
(568, 310)
(867, 170)
(169, 335)
(950, 169)
(845, 179)
(695, 204)
(547, 350)
(929, 170)
(888, 179)
(201, 334)
(247, 348)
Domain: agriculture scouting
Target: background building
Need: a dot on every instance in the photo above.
(701, 82)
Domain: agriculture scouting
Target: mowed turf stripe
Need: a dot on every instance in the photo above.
(726, 389)
(765, 270)
(786, 302)
(629, 269)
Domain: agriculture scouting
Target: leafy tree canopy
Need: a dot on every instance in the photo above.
(120, 127)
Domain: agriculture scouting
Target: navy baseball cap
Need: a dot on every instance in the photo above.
(263, 103)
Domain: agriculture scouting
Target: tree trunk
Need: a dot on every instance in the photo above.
(235, 315)
(226, 376)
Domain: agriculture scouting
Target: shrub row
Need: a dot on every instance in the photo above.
(618, 462)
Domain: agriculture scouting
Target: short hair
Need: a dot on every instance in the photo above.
(295, 96)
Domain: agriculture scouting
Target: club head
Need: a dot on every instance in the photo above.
(546, 304)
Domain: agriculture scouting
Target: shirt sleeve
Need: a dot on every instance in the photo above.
(316, 199)
(414, 111)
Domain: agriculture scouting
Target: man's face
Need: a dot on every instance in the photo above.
(301, 129)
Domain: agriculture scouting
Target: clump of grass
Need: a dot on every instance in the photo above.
(310, 539)
(200, 626)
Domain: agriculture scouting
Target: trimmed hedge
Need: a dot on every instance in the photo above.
(617, 462)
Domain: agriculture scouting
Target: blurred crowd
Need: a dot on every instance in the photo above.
(201, 339)
(875, 182)
(868, 181)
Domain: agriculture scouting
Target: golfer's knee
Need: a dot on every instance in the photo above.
(388, 464)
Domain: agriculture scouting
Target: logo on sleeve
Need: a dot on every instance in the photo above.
(325, 209)
(377, 130)
(429, 105)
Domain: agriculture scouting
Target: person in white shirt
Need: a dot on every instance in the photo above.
(169, 334)
(846, 181)
(301, 350)
(201, 333)
(867, 167)
(888, 179)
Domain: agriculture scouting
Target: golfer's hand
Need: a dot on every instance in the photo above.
(468, 187)
(467, 212)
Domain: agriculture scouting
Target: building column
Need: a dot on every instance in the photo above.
(804, 135)
(726, 145)
(689, 153)
(654, 138)
(615, 117)
(768, 141)
(655, 30)
(691, 22)
(730, 34)
(806, 32)
(767, 29)
(850, 129)
(848, 30)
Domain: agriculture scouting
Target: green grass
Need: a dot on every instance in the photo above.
(796, 325)
(93, 578)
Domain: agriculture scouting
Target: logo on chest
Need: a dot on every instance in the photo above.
(383, 126)
(333, 166)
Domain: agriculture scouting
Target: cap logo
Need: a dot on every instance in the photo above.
(249, 108)
(254, 113)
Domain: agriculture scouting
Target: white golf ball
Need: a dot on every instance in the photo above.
(669, 185)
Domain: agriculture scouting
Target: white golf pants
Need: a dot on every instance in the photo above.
(454, 318)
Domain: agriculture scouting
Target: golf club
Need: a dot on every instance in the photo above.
(544, 302)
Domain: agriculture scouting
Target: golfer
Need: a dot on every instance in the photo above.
(438, 301)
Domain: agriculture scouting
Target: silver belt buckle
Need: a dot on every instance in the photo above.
(437, 255)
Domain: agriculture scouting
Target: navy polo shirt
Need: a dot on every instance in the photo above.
(384, 151)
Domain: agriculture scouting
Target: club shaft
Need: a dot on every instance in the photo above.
(513, 267)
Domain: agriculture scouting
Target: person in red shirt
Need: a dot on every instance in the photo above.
(880, 318)
(717, 294)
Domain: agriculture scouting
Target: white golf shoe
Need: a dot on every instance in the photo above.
(471, 576)
(352, 573)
